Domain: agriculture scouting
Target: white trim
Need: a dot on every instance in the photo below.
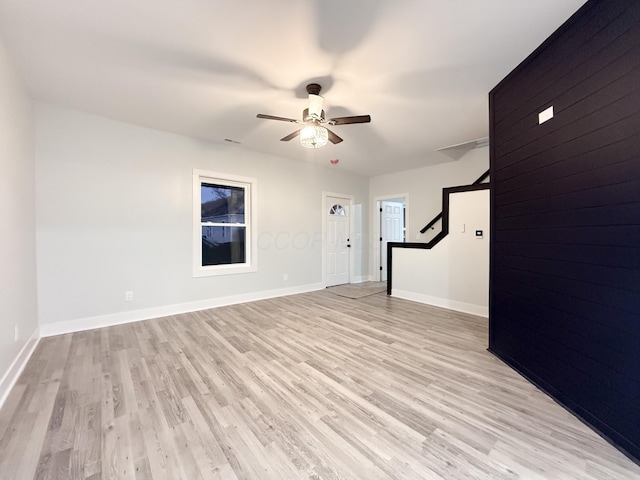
(351, 199)
(17, 366)
(378, 228)
(480, 310)
(250, 185)
(120, 318)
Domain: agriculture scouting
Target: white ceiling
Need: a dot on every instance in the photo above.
(204, 68)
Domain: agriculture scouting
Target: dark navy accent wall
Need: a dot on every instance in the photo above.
(565, 225)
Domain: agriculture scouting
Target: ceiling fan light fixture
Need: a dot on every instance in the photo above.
(314, 136)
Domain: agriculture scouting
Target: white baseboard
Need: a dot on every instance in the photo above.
(89, 323)
(362, 279)
(480, 310)
(13, 373)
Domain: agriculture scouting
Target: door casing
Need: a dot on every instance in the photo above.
(377, 244)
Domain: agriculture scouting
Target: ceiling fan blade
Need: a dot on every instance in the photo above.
(271, 117)
(333, 138)
(347, 120)
(290, 136)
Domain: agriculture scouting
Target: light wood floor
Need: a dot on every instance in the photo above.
(312, 386)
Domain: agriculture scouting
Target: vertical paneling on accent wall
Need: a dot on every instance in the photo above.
(565, 205)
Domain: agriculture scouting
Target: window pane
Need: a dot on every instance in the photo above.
(221, 203)
(337, 210)
(223, 245)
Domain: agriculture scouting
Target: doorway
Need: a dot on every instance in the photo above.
(391, 222)
(336, 249)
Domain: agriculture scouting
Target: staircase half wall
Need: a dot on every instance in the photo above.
(453, 274)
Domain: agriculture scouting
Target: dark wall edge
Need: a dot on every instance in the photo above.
(619, 442)
(629, 449)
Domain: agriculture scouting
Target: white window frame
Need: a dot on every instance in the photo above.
(250, 186)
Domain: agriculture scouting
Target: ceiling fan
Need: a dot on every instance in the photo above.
(314, 134)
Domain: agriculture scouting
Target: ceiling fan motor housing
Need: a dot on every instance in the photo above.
(313, 89)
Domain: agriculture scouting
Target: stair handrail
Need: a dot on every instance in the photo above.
(479, 180)
(477, 185)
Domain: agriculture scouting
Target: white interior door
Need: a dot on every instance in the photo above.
(337, 242)
(391, 230)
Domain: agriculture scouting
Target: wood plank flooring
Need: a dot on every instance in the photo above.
(311, 386)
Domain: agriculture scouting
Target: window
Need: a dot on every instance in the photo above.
(223, 224)
(337, 210)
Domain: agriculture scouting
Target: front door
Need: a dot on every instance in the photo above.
(337, 241)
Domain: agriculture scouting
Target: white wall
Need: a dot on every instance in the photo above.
(18, 306)
(455, 273)
(114, 206)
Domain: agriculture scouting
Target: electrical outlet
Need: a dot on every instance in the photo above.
(285, 277)
(128, 296)
(16, 333)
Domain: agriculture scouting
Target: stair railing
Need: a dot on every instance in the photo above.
(444, 215)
